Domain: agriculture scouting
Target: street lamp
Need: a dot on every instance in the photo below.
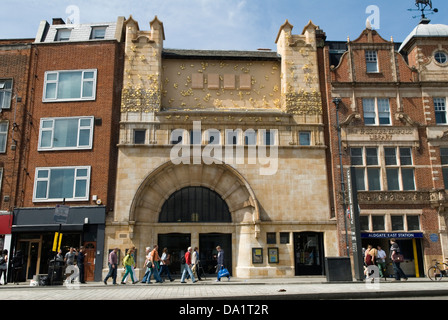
(337, 102)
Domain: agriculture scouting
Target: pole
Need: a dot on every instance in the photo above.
(337, 101)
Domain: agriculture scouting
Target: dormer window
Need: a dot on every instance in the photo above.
(98, 33)
(371, 61)
(63, 35)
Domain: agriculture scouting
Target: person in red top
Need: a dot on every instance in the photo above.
(187, 267)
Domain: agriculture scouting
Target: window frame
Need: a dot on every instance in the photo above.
(438, 54)
(79, 129)
(7, 95)
(365, 166)
(5, 134)
(371, 57)
(376, 105)
(400, 167)
(95, 29)
(76, 178)
(56, 82)
(440, 103)
(303, 133)
(136, 132)
(60, 31)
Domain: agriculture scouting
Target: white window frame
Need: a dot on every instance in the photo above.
(377, 104)
(371, 59)
(51, 129)
(6, 97)
(48, 180)
(365, 166)
(61, 32)
(94, 35)
(440, 107)
(56, 83)
(400, 167)
(4, 134)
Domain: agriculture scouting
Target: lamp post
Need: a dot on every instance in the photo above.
(337, 102)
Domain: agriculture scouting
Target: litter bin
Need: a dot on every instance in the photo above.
(338, 269)
(55, 269)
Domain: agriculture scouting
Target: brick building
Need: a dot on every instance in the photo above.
(391, 96)
(14, 71)
(72, 119)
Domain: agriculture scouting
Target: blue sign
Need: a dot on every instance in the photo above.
(389, 235)
(434, 237)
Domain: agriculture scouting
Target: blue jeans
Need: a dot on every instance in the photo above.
(146, 275)
(187, 269)
(112, 273)
(164, 269)
(154, 271)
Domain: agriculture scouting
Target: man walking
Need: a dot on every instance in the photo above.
(153, 264)
(220, 264)
(394, 251)
(113, 264)
(187, 267)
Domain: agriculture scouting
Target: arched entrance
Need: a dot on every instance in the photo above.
(201, 205)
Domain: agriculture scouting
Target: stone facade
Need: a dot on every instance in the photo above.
(179, 90)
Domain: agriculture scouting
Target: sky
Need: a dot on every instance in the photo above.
(225, 24)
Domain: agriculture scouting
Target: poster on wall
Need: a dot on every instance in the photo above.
(273, 255)
(257, 255)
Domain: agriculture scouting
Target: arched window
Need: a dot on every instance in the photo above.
(195, 204)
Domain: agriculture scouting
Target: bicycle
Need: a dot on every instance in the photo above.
(435, 273)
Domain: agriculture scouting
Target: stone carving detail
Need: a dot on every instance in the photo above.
(138, 99)
(304, 102)
(395, 197)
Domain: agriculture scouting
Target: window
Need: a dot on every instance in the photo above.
(440, 110)
(397, 223)
(377, 223)
(250, 137)
(376, 111)
(364, 223)
(139, 136)
(176, 136)
(213, 136)
(368, 173)
(305, 138)
(284, 237)
(63, 35)
(371, 61)
(70, 85)
(413, 222)
(98, 33)
(271, 238)
(3, 135)
(444, 162)
(195, 137)
(268, 137)
(231, 137)
(399, 170)
(66, 133)
(5, 94)
(57, 184)
(441, 57)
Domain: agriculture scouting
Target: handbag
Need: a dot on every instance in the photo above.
(397, 257)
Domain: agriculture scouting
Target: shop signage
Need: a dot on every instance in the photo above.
(390, 235)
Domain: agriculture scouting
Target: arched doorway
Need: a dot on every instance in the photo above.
(196, 205)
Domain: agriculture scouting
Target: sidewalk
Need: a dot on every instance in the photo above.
(297, 288)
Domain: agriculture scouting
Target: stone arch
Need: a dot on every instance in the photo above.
(168, 178)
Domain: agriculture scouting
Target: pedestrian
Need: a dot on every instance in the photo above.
(165, 261)
(370, 260)
(187, 267)
(154, 262)
(80, 258)
(113, 265)
(17, 265)
(129, 263)
(394, 251)
(133, 267)
(220, 264)
(4, 266)
(381, 262)
(69, 259)
(195, 263)
(145, 265)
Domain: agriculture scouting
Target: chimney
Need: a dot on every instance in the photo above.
(58, 21)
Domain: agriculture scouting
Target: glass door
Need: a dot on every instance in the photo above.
(308, 248)
(31, 256)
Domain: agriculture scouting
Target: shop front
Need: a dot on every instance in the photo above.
(411, 247)
(33, 233)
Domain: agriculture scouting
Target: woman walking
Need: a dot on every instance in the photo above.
(129, 264)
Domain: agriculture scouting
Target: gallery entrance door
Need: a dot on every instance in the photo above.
(208, 253)
(177, 244)
(308, 251)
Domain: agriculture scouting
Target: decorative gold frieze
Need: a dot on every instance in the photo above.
(304, 102)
